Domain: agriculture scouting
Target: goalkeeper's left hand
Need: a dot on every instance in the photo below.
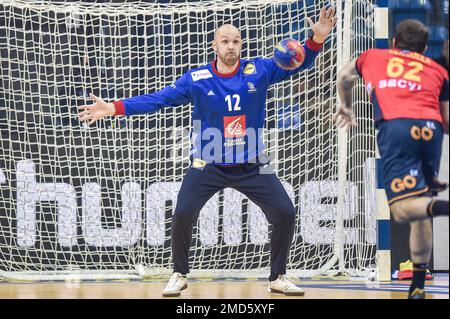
(323, 27)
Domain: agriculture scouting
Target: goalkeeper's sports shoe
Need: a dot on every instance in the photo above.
(417, 294)
(176, 283)
(284, 286)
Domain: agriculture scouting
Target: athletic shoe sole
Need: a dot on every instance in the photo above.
(174, 294)
(292, 293)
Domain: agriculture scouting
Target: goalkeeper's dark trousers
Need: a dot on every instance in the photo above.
(255, 181)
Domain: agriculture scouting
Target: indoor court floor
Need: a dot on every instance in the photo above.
(326, 288)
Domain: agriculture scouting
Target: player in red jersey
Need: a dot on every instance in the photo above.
(409, 93)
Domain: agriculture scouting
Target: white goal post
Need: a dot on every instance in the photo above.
(96, 202)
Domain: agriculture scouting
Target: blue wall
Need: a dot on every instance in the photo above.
(434, 14)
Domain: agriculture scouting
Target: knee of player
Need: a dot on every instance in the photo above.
(184, 213)
(286, 214)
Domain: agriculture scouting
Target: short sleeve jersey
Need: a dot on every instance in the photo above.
(403, 84)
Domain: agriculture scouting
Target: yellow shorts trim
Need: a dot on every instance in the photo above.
(415, 193)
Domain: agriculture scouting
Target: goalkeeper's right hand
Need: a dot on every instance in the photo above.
(96, 111)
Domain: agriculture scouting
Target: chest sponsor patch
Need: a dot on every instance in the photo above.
(250, 69)
(251, 87)
(201, 74)
(234, 126)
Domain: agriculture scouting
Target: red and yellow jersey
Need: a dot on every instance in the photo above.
(403, 84)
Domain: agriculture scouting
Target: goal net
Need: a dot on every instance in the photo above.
(96, 202)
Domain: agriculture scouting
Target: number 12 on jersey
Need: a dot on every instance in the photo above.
(237, 99)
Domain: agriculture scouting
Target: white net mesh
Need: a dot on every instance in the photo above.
(99, 200)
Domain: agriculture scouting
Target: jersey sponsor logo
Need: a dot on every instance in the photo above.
(234, 126)
(210, 93)
(198, 163)
(399, 83)
(250, 68)
(251, 87)
(234, 142)
(173, 86)
(401, 184)
(201, 74)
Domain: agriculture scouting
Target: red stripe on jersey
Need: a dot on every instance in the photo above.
(310, 44)
(225, 75)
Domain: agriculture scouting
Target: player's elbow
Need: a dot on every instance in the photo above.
(344, 82)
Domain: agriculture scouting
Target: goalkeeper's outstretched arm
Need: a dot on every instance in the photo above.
(178, 93)
(96, 111)
(321, 29)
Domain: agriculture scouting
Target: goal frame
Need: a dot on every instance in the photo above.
(336, 264)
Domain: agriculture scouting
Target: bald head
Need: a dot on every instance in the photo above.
(227, 44)
(227, 30)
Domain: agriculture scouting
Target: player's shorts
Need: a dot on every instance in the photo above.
(410, 151)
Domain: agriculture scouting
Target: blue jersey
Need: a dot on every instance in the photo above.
(228, 110)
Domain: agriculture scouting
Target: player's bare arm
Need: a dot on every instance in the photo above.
(345, 118)
(444, 113)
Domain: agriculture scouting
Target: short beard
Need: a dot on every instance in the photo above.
(228, 60)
